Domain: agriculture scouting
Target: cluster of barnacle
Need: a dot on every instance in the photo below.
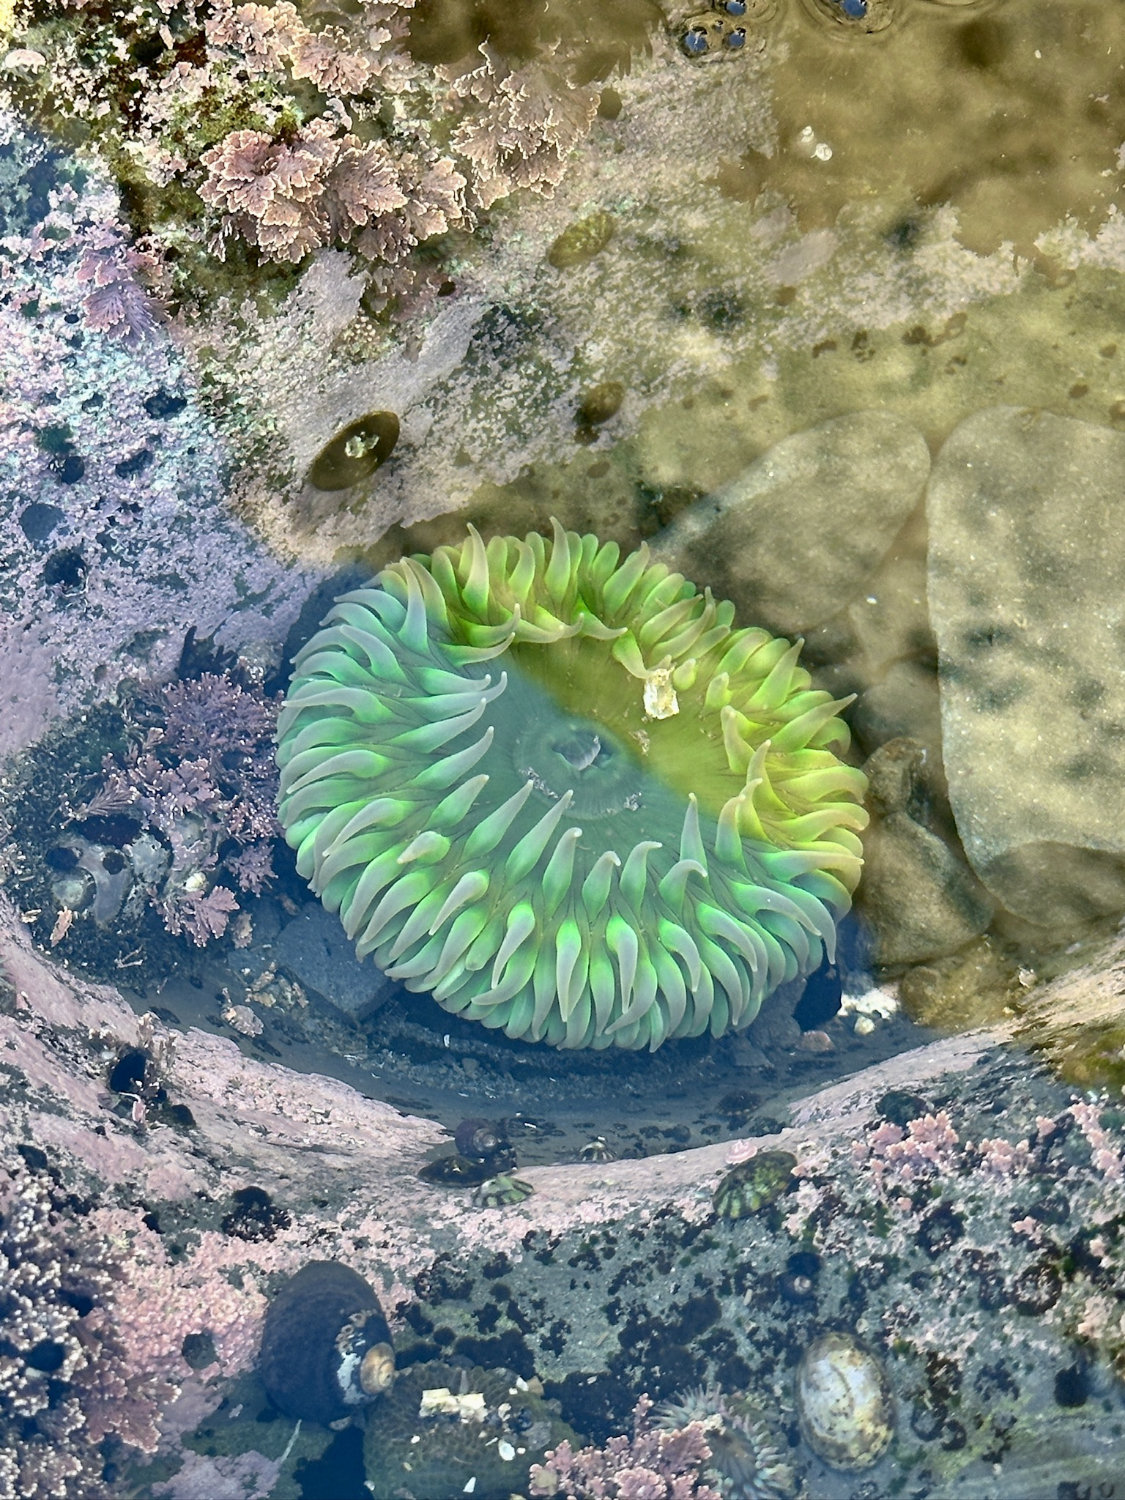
(66, 1398)
(182, 819)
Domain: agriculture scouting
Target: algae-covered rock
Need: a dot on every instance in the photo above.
(1027, 537)
(446, 1430)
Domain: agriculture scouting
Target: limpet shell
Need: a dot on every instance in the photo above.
(844, 1403)
(754, 1184)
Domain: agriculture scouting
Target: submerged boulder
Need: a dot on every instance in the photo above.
(796, 536)
(1025, 585)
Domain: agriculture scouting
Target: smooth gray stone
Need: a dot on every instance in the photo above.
(797, 535)
(919, 895)
(316, 951)
(1027, 593)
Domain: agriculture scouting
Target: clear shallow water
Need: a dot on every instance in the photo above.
(920, 220)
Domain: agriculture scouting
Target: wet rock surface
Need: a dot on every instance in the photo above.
(1027, 537)
(944, 1209)
(920, 897)
(849, 483)
(314, 948)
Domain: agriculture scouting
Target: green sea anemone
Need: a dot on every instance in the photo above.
(558, 789)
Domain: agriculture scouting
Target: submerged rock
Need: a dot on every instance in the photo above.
(1027, 535)
(922, 901)
(920, 897)
(315, 949)
(904, 703)
(796, 535)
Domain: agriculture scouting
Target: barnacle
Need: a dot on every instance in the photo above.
(557, 789)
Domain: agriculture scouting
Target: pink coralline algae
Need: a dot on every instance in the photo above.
(260, 38)
(297, 135)
(654, 1464)
(523, 128)
(203, 781)
(164, 1302)
(120, 285)
(244, 1476)
(287, 198)
(1104, 1156)
(924, 1147)
(114, 275)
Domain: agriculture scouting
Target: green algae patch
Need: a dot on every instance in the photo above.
(581, 241)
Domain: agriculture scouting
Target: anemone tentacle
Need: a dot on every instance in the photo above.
(471, 778)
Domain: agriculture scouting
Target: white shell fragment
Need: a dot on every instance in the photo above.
(660, 696)
(441, 1402)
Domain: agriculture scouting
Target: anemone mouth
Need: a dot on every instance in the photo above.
(563, 755)
(557, 789)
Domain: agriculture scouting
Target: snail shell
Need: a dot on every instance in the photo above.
(326, 1348)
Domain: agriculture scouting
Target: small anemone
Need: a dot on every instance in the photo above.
(698, 1403)
(560, 791)
(745, 1462)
